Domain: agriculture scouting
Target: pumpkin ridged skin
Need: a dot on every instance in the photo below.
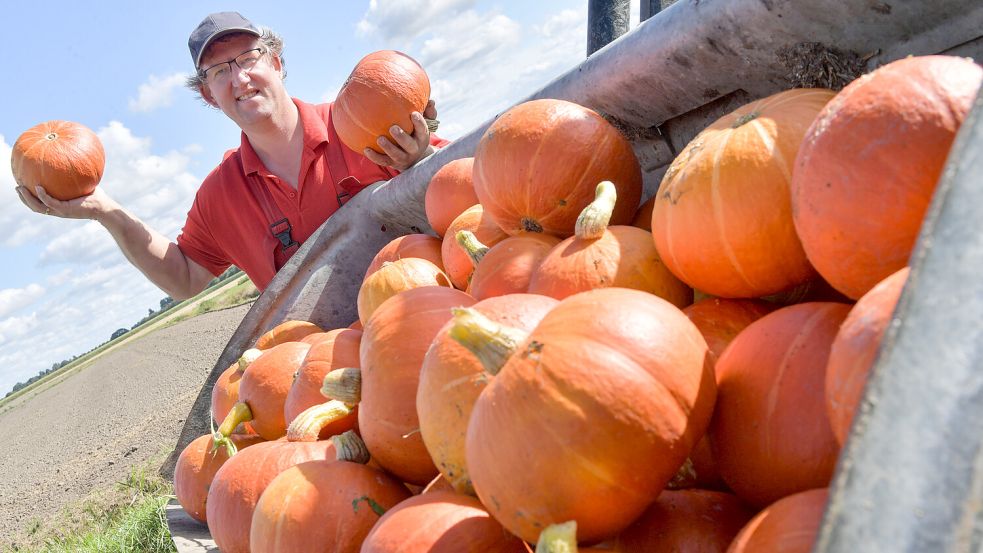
(623, 257)
(394, 343)
(537, 165)
(770, 434)
(266, 383)
(321, 506)
(338, 350)
(869, 165)
(383, 89)
(65, 158)
(196, 467)
(423, 246)
(395, 277)
(855, 349)
(722, 220)
(685, 521)
(452, 378)
(719, 321)
(592, 416)
(440, 522)
(287, 331)
(225, 392)
(790, 525)
(457, 264)
(508, 266)
(240, 482)
(449, 193)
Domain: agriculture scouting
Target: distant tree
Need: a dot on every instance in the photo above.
(166, 303)
(119, 332)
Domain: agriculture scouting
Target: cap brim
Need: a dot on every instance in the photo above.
(220, 34)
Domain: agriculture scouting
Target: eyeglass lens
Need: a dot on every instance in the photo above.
(246, 61)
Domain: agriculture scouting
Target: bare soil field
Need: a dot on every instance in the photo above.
(87, 432)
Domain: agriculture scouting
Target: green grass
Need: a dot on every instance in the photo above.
(127, 519)
(242, 292)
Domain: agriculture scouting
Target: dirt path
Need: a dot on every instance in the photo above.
(91, 429)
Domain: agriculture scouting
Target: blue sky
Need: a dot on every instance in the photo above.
(117, 67)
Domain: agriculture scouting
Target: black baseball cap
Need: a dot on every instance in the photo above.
(215, 26)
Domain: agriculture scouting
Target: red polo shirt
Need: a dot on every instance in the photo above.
(227, 224)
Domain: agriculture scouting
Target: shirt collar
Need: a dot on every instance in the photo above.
(315, 133)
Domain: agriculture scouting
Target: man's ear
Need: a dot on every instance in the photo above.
(206, 95)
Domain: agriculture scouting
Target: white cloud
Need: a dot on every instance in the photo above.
(13, 328)
(401, 21)
(13, 299)
(156, 93)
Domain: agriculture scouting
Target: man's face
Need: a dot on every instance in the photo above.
(245, 96)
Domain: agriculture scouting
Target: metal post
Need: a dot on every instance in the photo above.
(606, 21)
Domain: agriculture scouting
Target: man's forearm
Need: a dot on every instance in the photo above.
(159, 259)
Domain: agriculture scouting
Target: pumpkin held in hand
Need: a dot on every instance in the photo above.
(65, 158)
(383, 89)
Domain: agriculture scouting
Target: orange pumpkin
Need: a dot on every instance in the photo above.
(507, 267)
(696, 521)
(322, 506)
(423, 246)
(722, 220)
(394, 343)
(383, 89)
(338, 350)
(457, 264)
(869, 164)
(643, 217)
(225, 392)
(601, 256)
(790, 525)
(536, 167)
(855, 349)
(449, 193)
(770, 434)
(452, 377)
(65, 158)
(196, 467)
(395, 277)
(240, 482)
(440, 522)
(438, 484)
(263, 391)
(592, 415)
(287, 331)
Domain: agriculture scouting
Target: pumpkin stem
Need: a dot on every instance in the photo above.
(594, 219)
(247, 358)
(239, 414)
(307, 426)
(350, 447)
(471, 246)
(345, 385)
(530, 225)
(558, 538)
(51, 136)
(432, 124)
(685, 477)
(746, 118)
(492, 343)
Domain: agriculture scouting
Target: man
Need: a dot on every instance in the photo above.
(289, 174)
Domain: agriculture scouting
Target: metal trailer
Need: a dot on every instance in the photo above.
(910, 478)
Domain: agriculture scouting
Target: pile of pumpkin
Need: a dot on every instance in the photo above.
(540, 374)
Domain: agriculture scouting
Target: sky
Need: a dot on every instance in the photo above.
(118, 68)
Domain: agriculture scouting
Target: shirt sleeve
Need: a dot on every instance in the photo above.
(197, 242)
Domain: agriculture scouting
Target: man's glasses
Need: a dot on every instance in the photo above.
(221, 72)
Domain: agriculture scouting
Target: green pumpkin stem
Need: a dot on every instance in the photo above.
(247, 358)
(471, 246)
(307, 426)
(594, 219)
(350, 447)
(558, 538)
(239, 414)
(345, 385)
(492, 343)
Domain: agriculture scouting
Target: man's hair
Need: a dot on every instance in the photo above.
(270, 40)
